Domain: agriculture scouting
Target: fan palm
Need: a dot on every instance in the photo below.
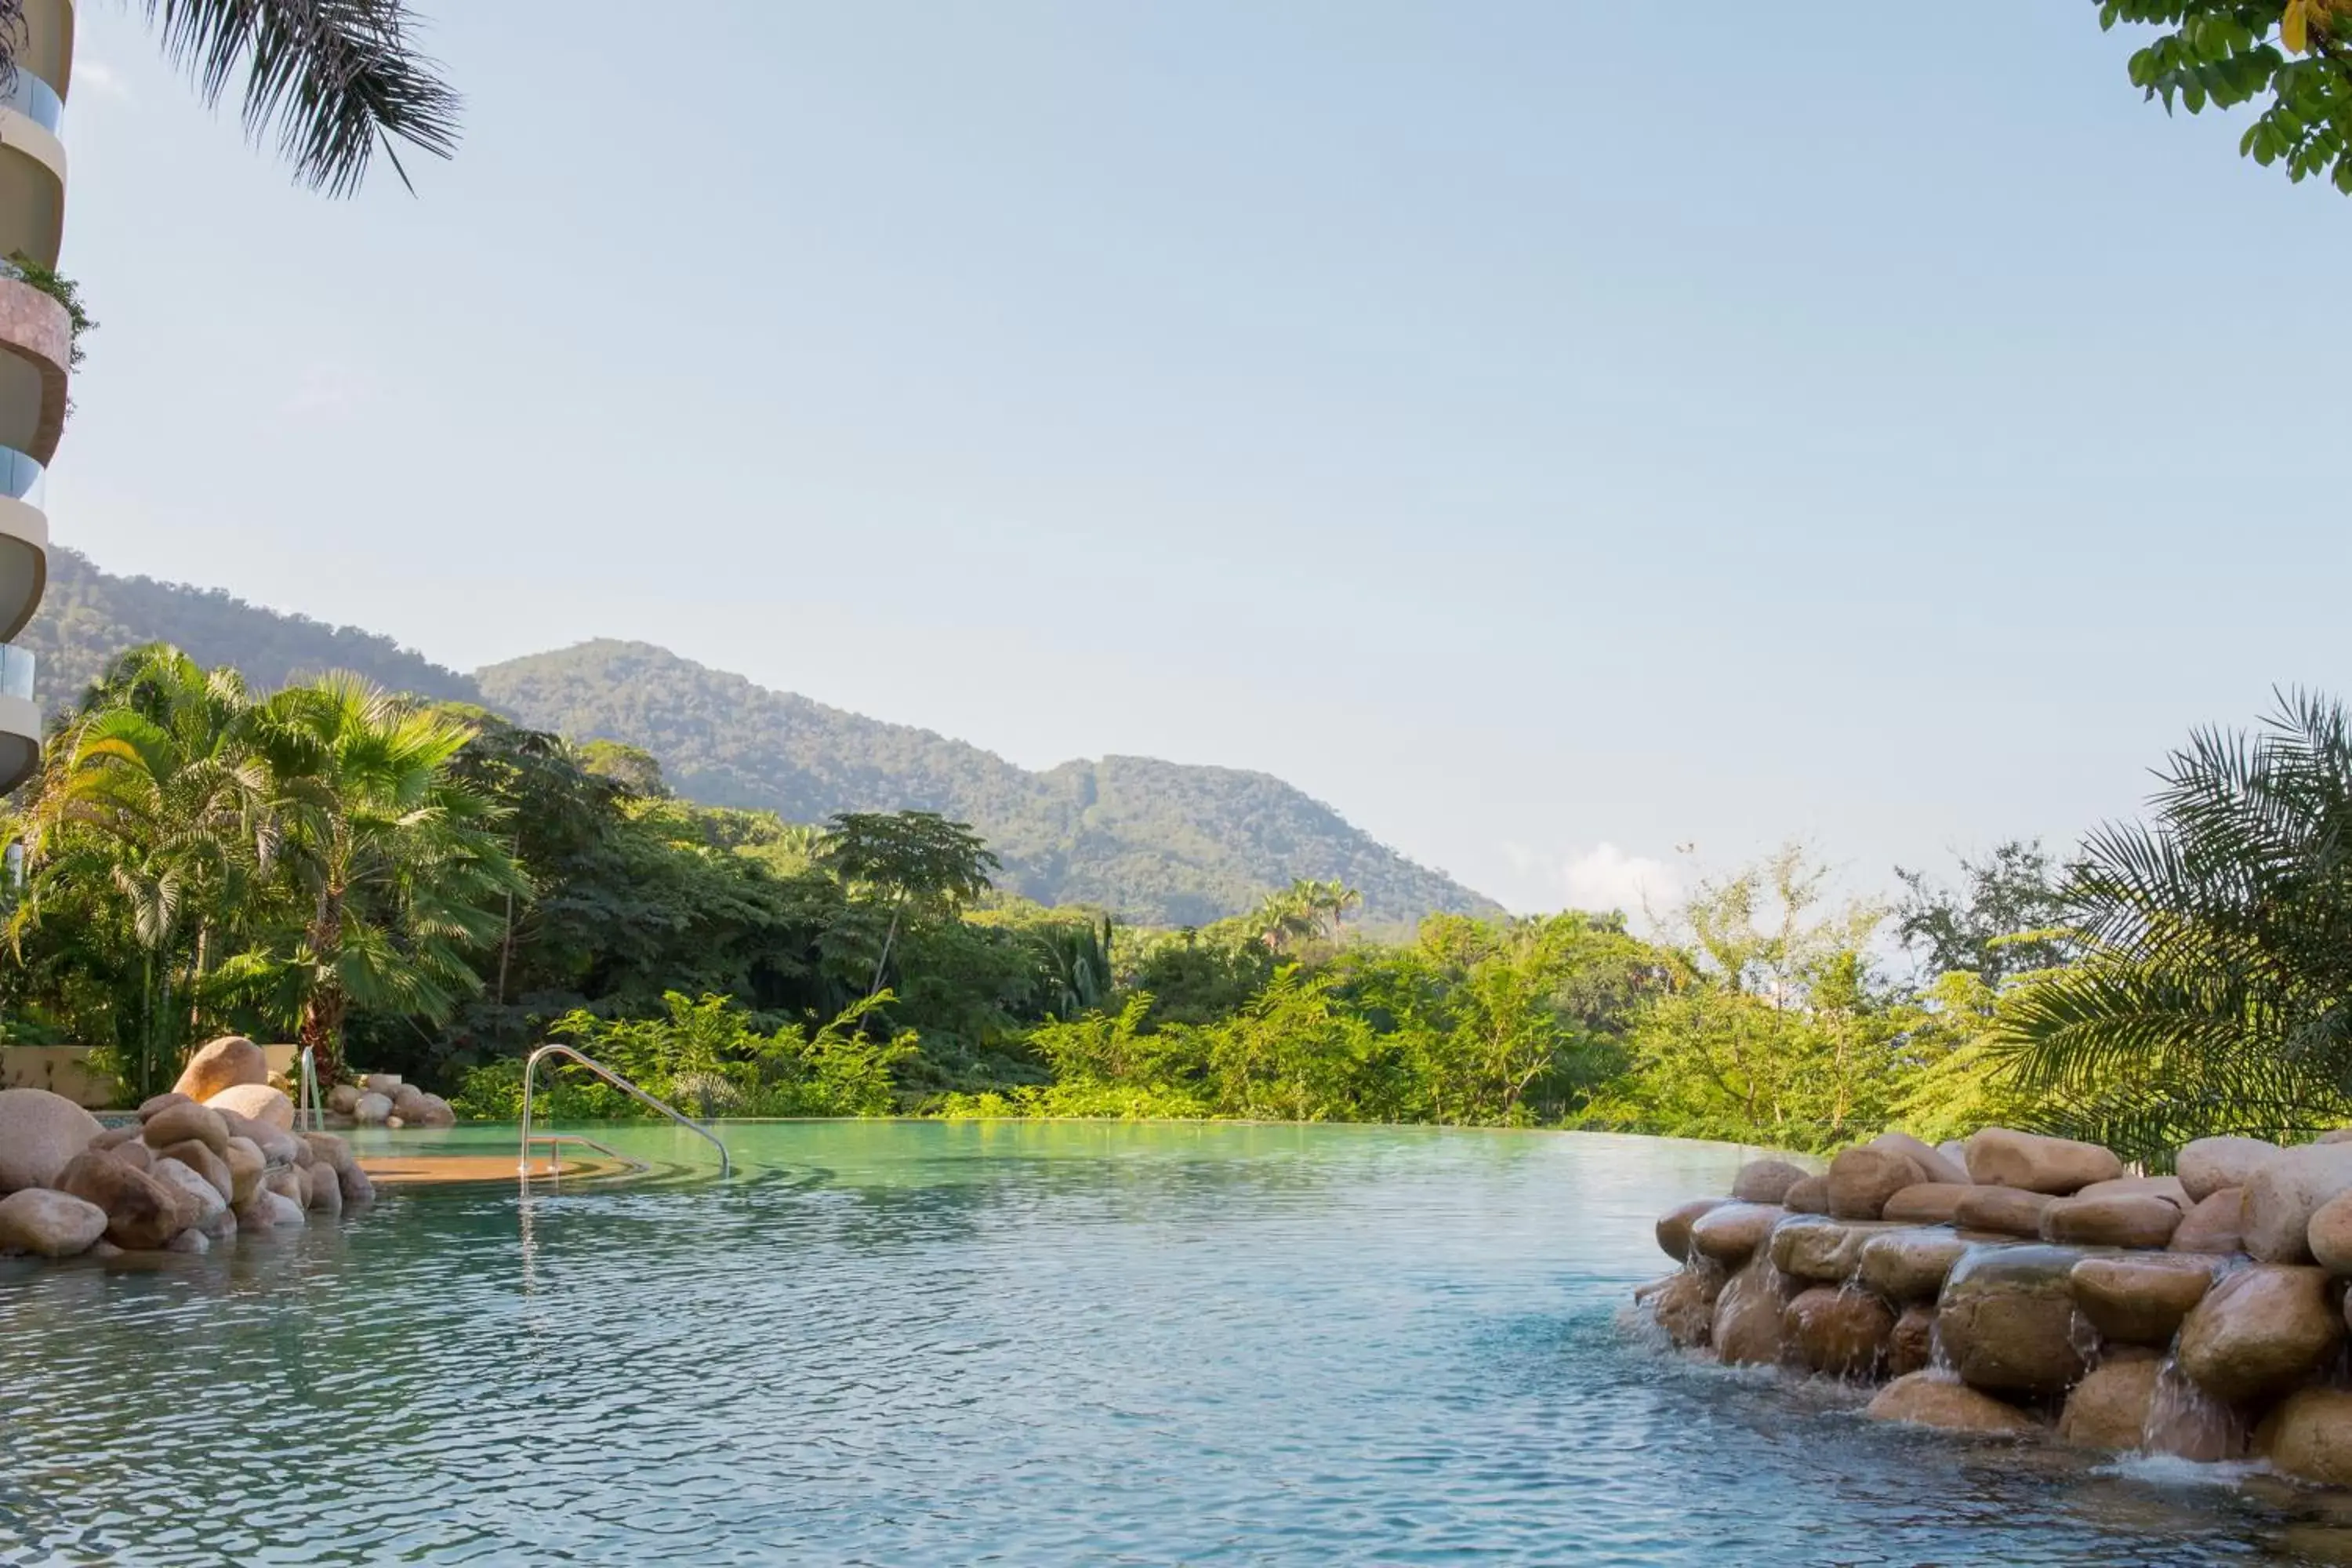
(402, 868)
(331, 81)
(2215, 994)
(148, 804)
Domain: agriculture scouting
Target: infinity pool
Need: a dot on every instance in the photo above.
(922, 1343)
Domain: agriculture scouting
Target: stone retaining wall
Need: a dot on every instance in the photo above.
(2017, 1285)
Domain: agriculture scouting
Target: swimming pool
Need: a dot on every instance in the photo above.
(919, 1343)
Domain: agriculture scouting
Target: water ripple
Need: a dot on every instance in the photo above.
(921, 1344)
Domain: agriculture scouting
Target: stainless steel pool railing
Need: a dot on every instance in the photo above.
(530, 1069)
(307, 1114)
(556, 1142)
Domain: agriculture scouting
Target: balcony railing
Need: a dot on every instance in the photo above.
(21, 478)
(36, 99)
(16, 671)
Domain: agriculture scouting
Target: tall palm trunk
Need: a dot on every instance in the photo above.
(323, 1009)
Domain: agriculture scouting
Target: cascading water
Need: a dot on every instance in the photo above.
(2186, 1422)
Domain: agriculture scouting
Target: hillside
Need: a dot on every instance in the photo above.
(89, 615)
(1172, 843)
(1156, 841)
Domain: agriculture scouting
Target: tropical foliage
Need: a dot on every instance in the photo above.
(2293, 57)
(2215, 993)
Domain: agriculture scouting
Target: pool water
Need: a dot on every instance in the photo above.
(927, 1343)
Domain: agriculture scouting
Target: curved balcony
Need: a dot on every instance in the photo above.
(36, 101)
(35, 366)
(20, 717)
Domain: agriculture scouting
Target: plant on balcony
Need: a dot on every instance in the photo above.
(61, 289)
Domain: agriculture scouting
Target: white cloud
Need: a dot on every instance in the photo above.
(1606, 878)
(101, 79)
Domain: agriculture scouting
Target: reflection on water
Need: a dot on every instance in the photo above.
(922, 1343)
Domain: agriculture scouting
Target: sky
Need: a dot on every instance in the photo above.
(1587, 444)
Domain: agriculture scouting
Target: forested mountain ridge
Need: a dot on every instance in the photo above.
(1163, 842)
(87, 615)
(1156, 842)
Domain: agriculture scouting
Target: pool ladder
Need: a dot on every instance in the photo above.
(555, 1140)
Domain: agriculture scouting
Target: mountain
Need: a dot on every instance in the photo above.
(1159, 842)
(87, 615)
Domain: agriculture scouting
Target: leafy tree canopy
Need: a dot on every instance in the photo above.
(2293, 57)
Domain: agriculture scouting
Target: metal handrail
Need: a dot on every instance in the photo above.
(554, 1141)
(307, 1110)
(530, 1068)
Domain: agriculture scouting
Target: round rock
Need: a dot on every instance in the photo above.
(41, 1133)
(2215, 1225)
(2309, 1436)
(258, 1102)
(1672, 1229)
(2000, 1157)
(1935, 1399)
(2108, 1409)
(1730, 1233)
(2005, 1211)
(1909, 1265)
(2121, 1220)
(2285, 1192)
(1928, 1203)
(187, 1122)
(2259, 1332)
(49, 1224)
(2008, 1321)
(2140, 1299)
(1838, 1332)
(1862, 1180)
(230, 1062)
(2209, 1165)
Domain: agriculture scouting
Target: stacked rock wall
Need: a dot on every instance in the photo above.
(193, 1172)
(2018, 1284)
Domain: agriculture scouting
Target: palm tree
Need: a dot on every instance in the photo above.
(2215, 990)
(148, 804)
(331, 81)
(402, 868)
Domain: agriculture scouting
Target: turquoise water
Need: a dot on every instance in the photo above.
(918, 1344)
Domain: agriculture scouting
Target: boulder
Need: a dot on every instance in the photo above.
(1912, 1346)
(113, 1136)
(2140, 1299)
(335, 1153)
(164, 1101)
(286, 1182)
(434, 1111)
(2309, 1436)
(2168, 1188)
(203, 1199)
(1909, 1265)
(1747, 1330)
(344, 1099)
(1999, 1157)
(2186, 1422)
(2209, 1165)
(1938, 1400)
(186, 1123)
(327, 1199)
(357, 1188)
(221, 1227)
(2214, 1225)
(2340, 1135)
(2284, 1192)
(2005, 1211)
(1819, 1249)
(2108, 1409)
(1928, 1203)
(1674, 1226)
(2329, 1234)
(2259, 1332)
(245, 1165)
(190, 1241)
(1862, 1180)
(407, 1101)
(1935, 1165)
(395, 1122)
(386, 1084)
(2008, 1321)
(49, 1224)
(1838, 1332)
(2125, 1220)
(258, 1102)
(373, 1110)
(1728, 1233)
(205, 1163)
(141, 1213)
(135, 1155)
(268, 1211)
(1765, 1181)
(39, 1133)
(230, 1062)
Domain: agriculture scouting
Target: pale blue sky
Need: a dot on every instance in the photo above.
(1550, 432)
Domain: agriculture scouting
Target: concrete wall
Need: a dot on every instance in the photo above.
(60, 1069)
